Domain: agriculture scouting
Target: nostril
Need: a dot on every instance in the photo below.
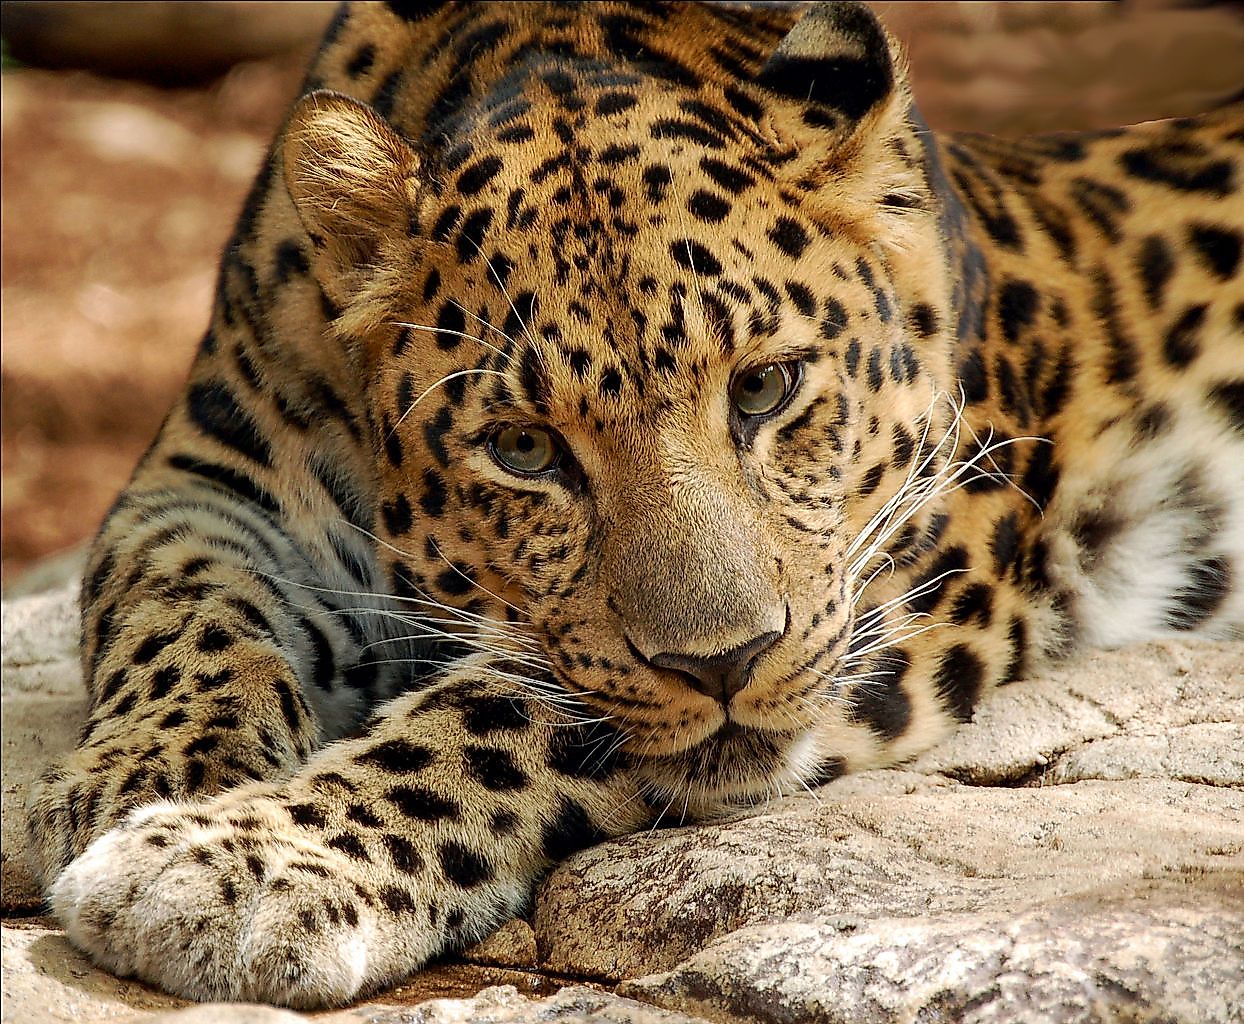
(719, 676)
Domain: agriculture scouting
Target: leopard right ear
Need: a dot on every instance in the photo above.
(837, 60)
(355, 184)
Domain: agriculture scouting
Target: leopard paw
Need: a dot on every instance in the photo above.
(234, 901)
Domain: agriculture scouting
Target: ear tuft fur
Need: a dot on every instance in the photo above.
(353, 180)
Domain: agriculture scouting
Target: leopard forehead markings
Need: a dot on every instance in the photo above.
(658, 417)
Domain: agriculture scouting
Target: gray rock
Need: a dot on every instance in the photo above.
(504, 1005)
(43, 703)
(888, 844)
(1164, 951)
(229, 1013)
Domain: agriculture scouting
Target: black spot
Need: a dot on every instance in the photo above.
(463, 866)
(802, 298)
(1218, 248)
(446, 222)
(494, 769)
(1017, 306)
(1228, 395)
(163, 681)
(1004, 545)
(1093, 530)
(214, 639)
(611, 382)
(882, 703)
(489, 714)
(570, 831)
(306, 815)
(396, 900)
(675, 129)
(365, 816)
(398, 756)
(434, 494)
(1182, 342)
(1041, 475)
(872, 479)
(1102, 204)
(960, 676)
(834, 320)
(434, 431)
(215, 410)
(615, 155)
(931, 586)
(731, 178)
(584, 751)
(973, 378)
(1185, 167)
(1209, 583)
(398, 518)
(414, 10)
(422, 804)
(471, 236)
(290, 261)
(851, 358)
(874, 376)
(403, 854)
(364, 57)
(708, 207)
(474, 179)
(923, 319)
(350, 845)
(1156, 265)
(974, 604)
(152, 646)
(614, 103)
(503, 823)
(695, 257)
(1017, 635)
(456, 580)
(1122, 358)
(789, 236)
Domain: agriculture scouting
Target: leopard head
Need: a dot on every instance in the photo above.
(646, 359)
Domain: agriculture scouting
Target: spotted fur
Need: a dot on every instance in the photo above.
(1012, 425)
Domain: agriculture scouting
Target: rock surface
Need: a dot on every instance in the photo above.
(1076, 853)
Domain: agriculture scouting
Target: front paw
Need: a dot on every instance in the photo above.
(237, 902)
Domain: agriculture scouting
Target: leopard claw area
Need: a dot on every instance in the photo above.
(220, 921)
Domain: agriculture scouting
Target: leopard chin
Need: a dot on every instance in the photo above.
(735, 767)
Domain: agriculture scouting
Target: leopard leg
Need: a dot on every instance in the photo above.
(205, 671)
(379, 854)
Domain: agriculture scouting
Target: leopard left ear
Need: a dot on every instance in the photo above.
(838, 61)
(355, 184)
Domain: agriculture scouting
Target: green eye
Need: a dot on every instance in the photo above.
(764, 390)
(527, 451)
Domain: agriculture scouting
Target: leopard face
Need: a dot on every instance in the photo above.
(645, 363)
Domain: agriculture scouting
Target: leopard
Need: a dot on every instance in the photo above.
(614, 416)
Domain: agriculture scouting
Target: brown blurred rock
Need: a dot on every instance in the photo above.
(165, 42)
(1013, 68)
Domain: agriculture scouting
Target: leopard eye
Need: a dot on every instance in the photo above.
(762, 391)
(527, 451)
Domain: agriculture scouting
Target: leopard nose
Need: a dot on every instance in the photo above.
(719, 676)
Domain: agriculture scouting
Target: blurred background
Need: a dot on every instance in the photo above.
(129, 133)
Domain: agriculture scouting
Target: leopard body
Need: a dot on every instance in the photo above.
(360, 673)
